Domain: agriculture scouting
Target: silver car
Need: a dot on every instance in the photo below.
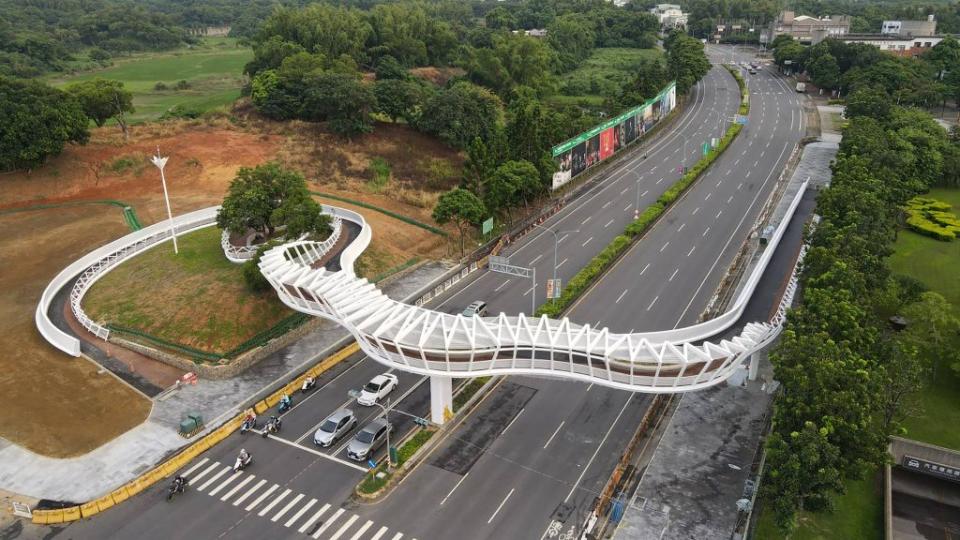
(478, 308)
(369, 439)
(334, 427)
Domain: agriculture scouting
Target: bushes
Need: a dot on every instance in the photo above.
(932, 218)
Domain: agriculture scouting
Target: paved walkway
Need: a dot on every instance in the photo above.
(701, 466)
(106, 468)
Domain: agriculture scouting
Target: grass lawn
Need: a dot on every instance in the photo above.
(603, 73)
(858, 516)
(936, 264)
(197, 298)
(214, 70)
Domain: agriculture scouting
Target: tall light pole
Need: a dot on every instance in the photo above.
(161, 162)
(556, 248)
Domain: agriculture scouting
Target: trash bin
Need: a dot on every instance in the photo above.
(191, 424)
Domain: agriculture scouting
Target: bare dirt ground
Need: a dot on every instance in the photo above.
(59, 406)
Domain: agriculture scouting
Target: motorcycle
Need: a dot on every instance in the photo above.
(241, 463)
(308, 384)
(285, 404)
(177, 487)
(273, 426)
(250, 422)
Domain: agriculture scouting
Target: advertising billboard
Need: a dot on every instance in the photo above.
(589, 148)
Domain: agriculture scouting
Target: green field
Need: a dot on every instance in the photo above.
(604, 73)
(196, 298)
(858, 515)
(935, 263)
(214, 70)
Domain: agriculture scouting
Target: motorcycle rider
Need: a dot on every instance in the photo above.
(308, 383)
(250, 420)
(285, 402)
(179, 483)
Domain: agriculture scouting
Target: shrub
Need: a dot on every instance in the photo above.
(932, 218)
(379, 171)
(182, 85)
(160, 87)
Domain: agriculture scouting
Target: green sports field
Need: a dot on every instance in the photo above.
(213, 70)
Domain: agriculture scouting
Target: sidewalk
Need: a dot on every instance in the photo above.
(701, 466)
(122, 459)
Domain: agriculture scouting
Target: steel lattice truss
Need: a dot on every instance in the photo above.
(424, 341)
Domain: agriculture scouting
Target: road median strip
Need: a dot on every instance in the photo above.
(604, 260)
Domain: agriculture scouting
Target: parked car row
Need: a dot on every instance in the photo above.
(342, 421)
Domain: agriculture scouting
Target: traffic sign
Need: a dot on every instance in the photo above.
(487, 226)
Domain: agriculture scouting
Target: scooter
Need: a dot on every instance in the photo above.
(242, 464)
(308, 384)
(273, 426)
(285, 404)
(250, 422)
(177, 487)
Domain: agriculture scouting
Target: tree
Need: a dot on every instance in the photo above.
(36, 121)
(824, 72)
(398, 99)
(102, 99)
(872, 102)
(572, 37)
(461, 113)
(930, 324)
(301, 215)
(500, 18)
(462, 208)
(478, 167)
(341, 100)
(389, 68)
(788, 54)
(686, 61)
(255, 194)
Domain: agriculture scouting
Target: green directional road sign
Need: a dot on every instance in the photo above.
(706, 148)
(487, 226)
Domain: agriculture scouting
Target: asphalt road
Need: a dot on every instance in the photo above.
(536, 450)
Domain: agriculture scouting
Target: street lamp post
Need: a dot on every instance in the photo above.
(161, 162)
(556, 246)
(386, 416)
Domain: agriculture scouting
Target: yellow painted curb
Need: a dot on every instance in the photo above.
(135, 486)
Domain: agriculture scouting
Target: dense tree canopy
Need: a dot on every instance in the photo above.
(102, 100)
(36, 121)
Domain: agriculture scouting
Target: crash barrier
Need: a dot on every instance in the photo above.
(171, 466)
(419, 340)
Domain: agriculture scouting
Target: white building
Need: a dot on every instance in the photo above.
(670, 15)
(927, 27)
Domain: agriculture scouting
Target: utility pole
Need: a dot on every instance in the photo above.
(161, 162)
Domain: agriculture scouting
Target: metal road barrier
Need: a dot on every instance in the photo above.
(419, 340)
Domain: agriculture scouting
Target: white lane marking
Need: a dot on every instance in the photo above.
(237, 487)
(608, 224)
(599, 446)
(645, 269)
(501, 506)
(755, 162)
(691, 251)
(195, 467)
(608, 203)
(695, 210)
(535, 259)
(555, 433)
(528, 291)
(286, 508)
(397, 536)
(303, 528)
(464, 477)
(660, 180)
(627, 207)
(321, 454)
(764, 152)
(511, 423)
(225, 483)
(381, 532)
(748, 174)
(205, 472)
(705, 232)
(502, 285)
(262, 496)
(735, 162)
(300, 513)
(619, 298)
(340, 532)
(274, 502)
(740, 185)
(644, 194)
(707, 198)
(584, 222)
(587, 242)
(562, 238)
(664, 246)
(652, 303)
(561, 263)
(329, 522)
(718, 214)
(249, 492)
(674, 274)
(362, 530)
(214, 478)
(624, 190)
(730, 198)
(680, 228)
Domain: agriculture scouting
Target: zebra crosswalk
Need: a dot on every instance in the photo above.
(283, 506)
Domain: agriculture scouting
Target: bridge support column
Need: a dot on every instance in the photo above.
(441, 399)
(755, 360)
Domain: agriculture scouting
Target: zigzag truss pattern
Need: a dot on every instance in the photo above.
(420, 340)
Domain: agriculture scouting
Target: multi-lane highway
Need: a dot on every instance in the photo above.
(536, 450)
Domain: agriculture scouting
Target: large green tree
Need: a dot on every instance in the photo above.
(462, 113)
(686, 61)
(104, 99)
(36, 121)
(256, 194)
(461, 207)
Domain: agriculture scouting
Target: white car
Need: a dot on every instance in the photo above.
(377, 389)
